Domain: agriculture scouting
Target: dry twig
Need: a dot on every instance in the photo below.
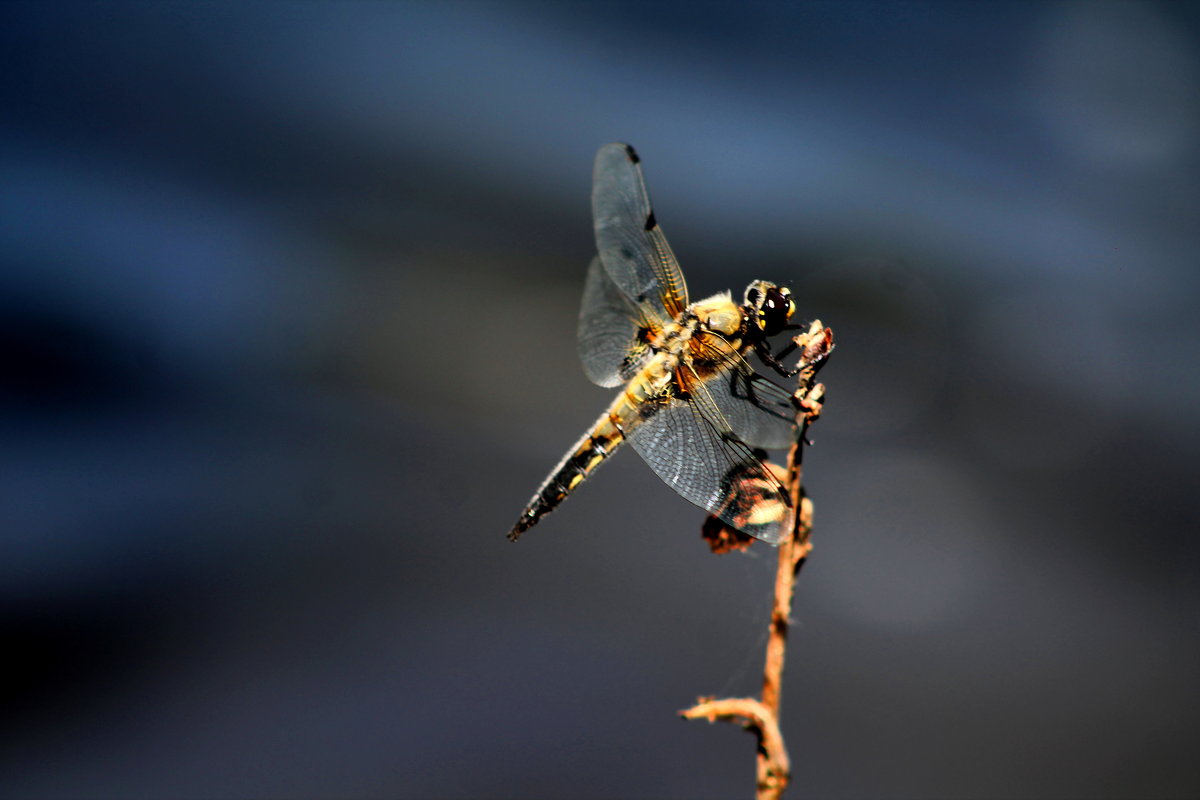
(762, 717)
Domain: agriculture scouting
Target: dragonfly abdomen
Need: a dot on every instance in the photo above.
(604, 437)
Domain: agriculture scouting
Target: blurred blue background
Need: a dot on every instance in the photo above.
(287, 303)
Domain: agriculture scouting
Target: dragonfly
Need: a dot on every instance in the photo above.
(690, 404)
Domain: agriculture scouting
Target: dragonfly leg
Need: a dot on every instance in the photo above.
(787, 351)
(773, 361)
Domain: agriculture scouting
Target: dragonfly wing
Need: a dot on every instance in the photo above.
(630, 242)
(613, 332)
(705, 463)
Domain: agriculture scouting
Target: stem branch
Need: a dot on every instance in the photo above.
(762, 717)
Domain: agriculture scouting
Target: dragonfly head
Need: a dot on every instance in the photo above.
(769, 306)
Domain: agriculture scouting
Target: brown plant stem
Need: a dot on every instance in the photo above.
(762, 717)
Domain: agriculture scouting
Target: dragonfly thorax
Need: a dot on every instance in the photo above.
(719, 314)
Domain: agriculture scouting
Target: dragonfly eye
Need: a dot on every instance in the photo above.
(776, 309)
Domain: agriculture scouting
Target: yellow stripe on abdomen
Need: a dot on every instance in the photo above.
(601, 441)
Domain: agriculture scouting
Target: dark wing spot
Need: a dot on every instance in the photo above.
(633, 156)
(650, 221)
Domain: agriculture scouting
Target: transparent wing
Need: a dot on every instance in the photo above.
(684, 440)
(758, 411)
(630, 242)
(613, 332)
